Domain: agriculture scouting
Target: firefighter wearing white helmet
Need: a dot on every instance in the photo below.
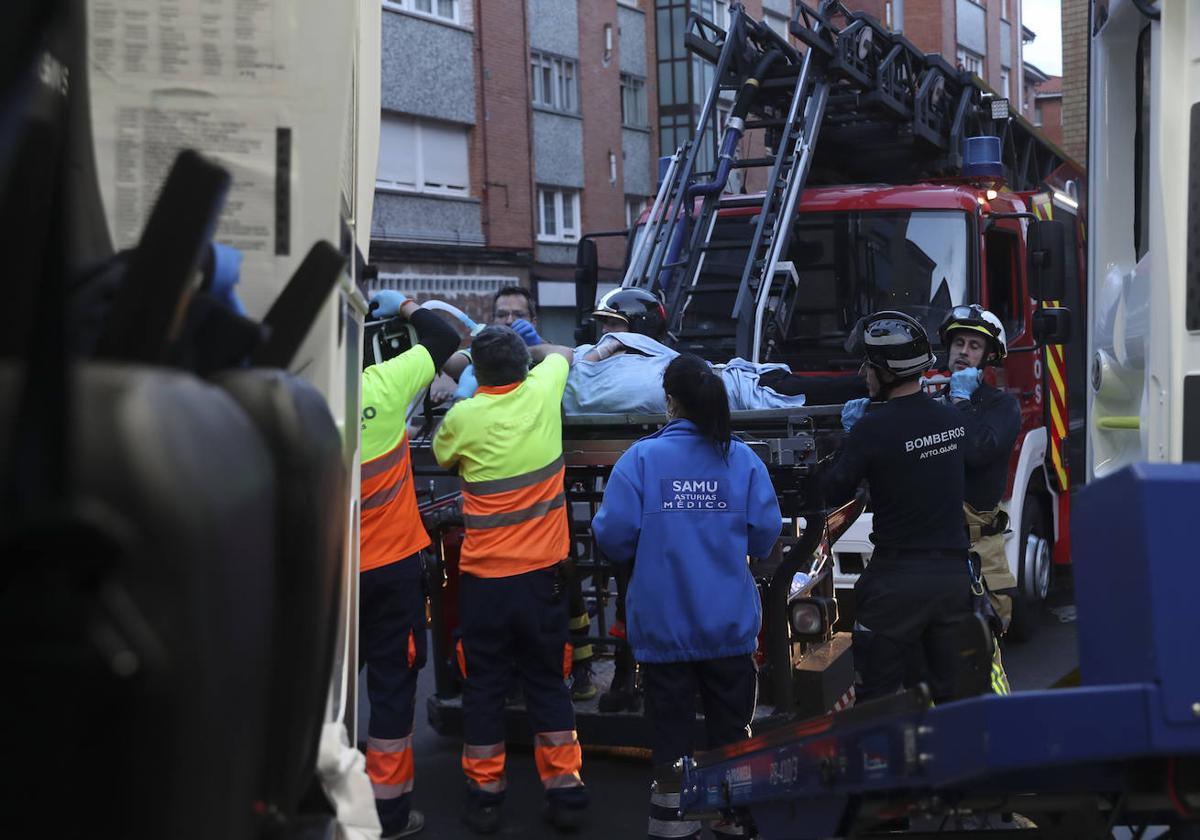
(914, 598)
(975, 338)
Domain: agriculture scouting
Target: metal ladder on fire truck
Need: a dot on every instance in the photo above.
(894, 113)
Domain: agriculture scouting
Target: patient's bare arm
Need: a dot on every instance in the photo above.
(607, 346)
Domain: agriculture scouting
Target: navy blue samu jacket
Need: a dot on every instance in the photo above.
(687, 519)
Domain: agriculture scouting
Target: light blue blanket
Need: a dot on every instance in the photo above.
(631, 382)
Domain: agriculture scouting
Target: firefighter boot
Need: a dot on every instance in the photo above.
(582, 686)
(622, 694)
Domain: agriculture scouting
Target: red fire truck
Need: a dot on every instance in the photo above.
(924, 191)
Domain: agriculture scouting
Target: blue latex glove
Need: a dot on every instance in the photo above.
(964, 382)
(386, 304)
(466, 383)
(527, 332)
(853, 411)
(227, 270)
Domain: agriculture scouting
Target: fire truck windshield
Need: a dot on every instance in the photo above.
(850, 264)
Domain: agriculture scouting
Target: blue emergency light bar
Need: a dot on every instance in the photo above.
(981, 157)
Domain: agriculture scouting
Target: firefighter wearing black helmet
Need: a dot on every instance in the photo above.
(631, 310)
(914, 598)
(975, 339)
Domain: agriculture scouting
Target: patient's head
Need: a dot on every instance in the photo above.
(611, 325)
(500, 356)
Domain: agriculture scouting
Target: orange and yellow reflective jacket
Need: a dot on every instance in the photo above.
(506, 442)
(390, 524)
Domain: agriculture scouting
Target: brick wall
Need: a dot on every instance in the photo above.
(1052, 125)
(600, 96)
(926, 22)
(1075, 73)
(501, 168)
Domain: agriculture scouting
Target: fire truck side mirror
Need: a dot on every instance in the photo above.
(1047, 260)
(1052, 325)
(587, 270)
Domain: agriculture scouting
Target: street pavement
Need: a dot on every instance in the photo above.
(620, 784)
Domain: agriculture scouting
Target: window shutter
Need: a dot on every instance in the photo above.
(397, 151)
(444, 151)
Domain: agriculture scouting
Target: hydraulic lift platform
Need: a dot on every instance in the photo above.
(1122, 749)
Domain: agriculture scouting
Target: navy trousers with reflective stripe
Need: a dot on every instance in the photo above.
(728, 690)
(515, 624)
(391, 612)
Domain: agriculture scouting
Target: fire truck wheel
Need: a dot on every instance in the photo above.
(1033, 570)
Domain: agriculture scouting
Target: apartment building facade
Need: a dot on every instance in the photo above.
(509, 128)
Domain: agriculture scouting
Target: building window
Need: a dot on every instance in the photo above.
(777, 22)
(422, 156)
(554, 82)
(721, 13)
(1004, 9)
(633, 101)
(440, 9)
(558, 215)
(969, 61)
(1004, 91)
(1037, 114)
(633, 4)
(634, 205)
(715, 10)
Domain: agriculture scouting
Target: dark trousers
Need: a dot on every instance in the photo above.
(728, 691)
(579, 621)
(518, 625)
(392, 647)
(910, 613)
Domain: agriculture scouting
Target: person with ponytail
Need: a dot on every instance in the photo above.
(684, 508)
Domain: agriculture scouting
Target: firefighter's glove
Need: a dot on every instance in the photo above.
(386, 304)
(466, 383)
(527, 332)
(853, 411)
(964, 382)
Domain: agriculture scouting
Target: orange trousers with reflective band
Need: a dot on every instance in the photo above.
(518, 623)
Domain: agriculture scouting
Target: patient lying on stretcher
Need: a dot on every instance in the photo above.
(622, 373)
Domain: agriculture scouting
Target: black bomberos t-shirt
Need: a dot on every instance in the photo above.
(910, 451)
